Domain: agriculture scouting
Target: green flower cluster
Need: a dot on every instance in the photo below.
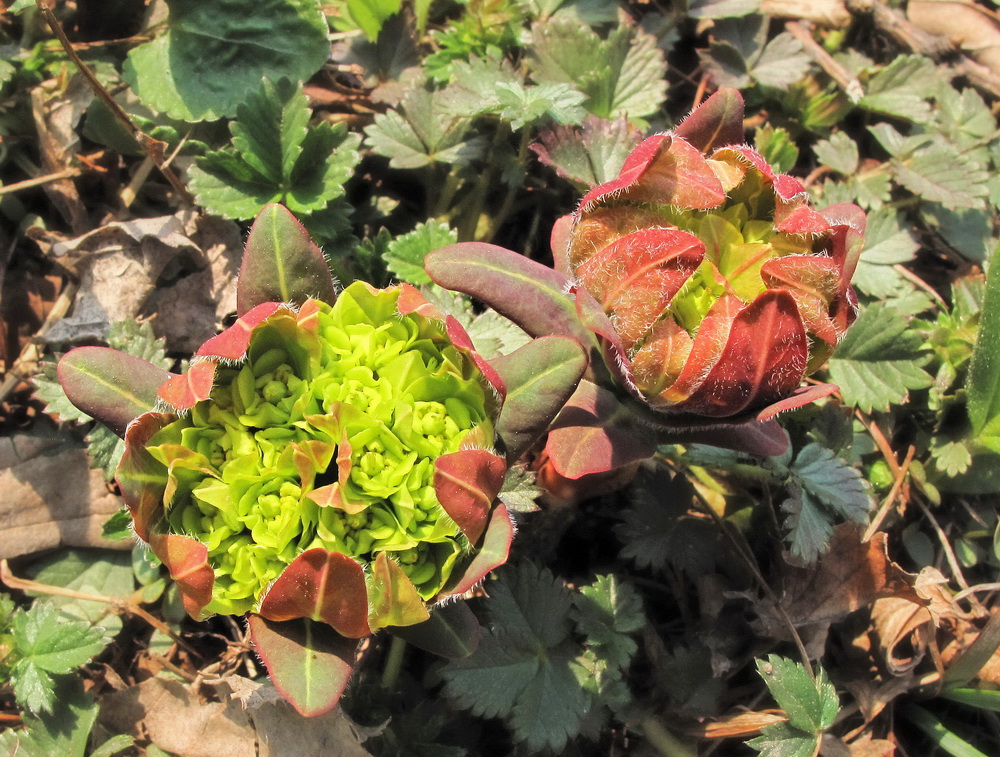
(326, 436)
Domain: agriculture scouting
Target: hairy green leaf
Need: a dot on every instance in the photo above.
(878, 361)
(940, 173)
(782, 740)
(607, 612)
(63, 732)
(903, 88)
(590, 154)
(213, 55)
(984, 370)
(519, 491)
(811, 705)
(839, 152)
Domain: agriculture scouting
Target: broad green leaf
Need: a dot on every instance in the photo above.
(741, 54)
(309, 663)
(33, 686)
(608, 612)
(983, 384)
(967, 230)
(371, 15)
(808, 524)
(494, 336)
(781, 63)
(63, 732)
(213, 55)
(840, 153)
(811, 705)
(452, 631)
(100, 572)
(903, 88)
(878, 361)
(963, 117)
(620, 76)
(417, 135)
(405, 254)
(524, 669)
(887, 243)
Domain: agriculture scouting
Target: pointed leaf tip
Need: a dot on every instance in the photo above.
(112, 386)
(715, 123)
(281, 263)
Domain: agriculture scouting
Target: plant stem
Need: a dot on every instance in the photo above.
(393, 663)
(663, 741)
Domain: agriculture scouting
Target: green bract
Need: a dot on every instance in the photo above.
(325, 436)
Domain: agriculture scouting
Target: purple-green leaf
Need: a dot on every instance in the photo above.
(281, 263)
(717, 122)
(309, 663)
(493, 552)
(452, 631)
(530, 294)
(112, 386)
(540, 377)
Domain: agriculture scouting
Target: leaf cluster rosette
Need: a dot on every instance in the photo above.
(703, 284)
(326, 461)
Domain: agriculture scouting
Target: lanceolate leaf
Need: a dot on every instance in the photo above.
(528, 293)
(281, 263)
(984, 370)
(492, 552)
(540, 377)
(307, 661)
(111, 386)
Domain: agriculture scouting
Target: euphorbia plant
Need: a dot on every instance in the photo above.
(329, 464)
(704, 285)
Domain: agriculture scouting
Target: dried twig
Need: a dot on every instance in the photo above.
(851, 86)
(890, 499)
(152, 147)
(38, 181)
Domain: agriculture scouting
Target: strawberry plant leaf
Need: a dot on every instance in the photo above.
(607, 612)
(590, 154)
(524, 669)
(952, 458)
(839, 152)
(620, 76)
(940, 173)
(782, 740)
(276, 158)
(903, 88)
(888, 242)
(878, 361)
(519, 491)
(405, 254)
(64, 731)
(416, 134)
(213, 55)
(811, 705)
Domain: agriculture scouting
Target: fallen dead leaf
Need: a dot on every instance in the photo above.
(168, 714)
(971, 27)
(178, 270)
(51, 497)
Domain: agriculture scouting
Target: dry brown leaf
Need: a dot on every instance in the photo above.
(179, 270)
(866, 746)
(873, 695)
(741, 726)
(169, 715)
(50, 497)
(820, 12)
(971, 27)
(905, 628)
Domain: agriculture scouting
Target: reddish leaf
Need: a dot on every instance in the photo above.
(307, 662)
(665, 171)
(187, 561)
(232, 343)
(452, 631)
(715, 123)
(764, 360)
(595, 230)
(595, 432)
(393, 597)
(796, 217)
(540, 376)
(637, 276)
(281, 263)
(493, 552)
(310, 457)
(813, 283)
(559, 240)
(799, 398)
(466, 483)
(185, 391)
(461, 339)
(324, 586)
(113, 387)
(411, 301)
(141, 478)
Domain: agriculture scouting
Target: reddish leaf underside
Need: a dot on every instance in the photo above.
(393, 598)
(185, 391)
(307, 661)
(141, 478)
(112, 386)
(323, 586)
(187, 561)
(232, 343)
(595, 433)
(717, 122)
(466, 483)
(493, 552)
(281, 263)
